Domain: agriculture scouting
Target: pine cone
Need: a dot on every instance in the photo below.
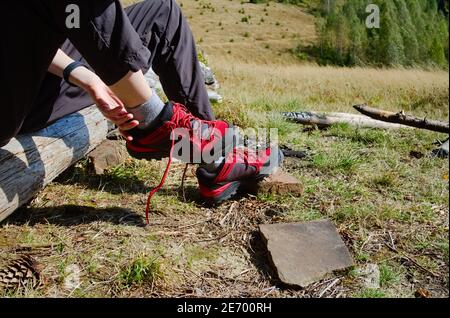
(20, 272)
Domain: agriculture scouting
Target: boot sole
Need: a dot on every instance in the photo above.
(238, 185)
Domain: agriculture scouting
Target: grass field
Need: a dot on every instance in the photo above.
(386, 195)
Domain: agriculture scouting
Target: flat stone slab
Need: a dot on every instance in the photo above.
(108, 154)
(304, 253)
(280, 182)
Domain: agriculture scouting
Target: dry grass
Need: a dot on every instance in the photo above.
(219, 30)
(390, 207)
(298, 87)
(266, 38)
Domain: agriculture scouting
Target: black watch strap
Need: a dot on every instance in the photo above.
(69, 68)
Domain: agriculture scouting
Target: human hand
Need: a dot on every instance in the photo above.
(108, 103)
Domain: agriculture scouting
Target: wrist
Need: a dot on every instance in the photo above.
(84, 78)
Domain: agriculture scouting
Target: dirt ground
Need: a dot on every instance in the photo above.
(386, 195)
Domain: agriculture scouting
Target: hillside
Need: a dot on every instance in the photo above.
(248, 32)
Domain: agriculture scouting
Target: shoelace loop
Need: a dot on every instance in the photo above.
(180, 119)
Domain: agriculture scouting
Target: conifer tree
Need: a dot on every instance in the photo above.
(408, 32)
(356, 32)
(412, 32)
(390, 47)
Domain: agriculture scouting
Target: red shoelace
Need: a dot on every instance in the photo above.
(179, 119)
(163, 180)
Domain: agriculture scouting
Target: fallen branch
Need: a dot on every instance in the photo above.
(402, 118)
(328, 119)
(412, 260)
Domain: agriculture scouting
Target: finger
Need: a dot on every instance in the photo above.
(103, 105)
(119, 110)
(109, 107)
(117, 116)
(129, 125)
(127, 135)
(122, 120)
(118, 113)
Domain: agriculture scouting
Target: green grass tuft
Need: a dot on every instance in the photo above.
(143, 270)
(370, 293)
(388, 275)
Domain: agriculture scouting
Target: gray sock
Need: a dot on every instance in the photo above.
(147, 112)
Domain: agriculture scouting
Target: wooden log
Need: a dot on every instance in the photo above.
(328, 119)
(31, 161)
(402, 118)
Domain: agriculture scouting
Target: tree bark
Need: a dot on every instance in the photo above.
(31, 161)
(402, 118)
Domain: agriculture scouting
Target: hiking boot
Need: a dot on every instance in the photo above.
(176, 125)
(203, 138)
(241, 168)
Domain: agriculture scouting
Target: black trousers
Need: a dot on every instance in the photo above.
(111, 40)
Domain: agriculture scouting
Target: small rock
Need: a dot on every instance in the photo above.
(72, 277)
(304, 253)
(208, 74)
(280, 183)
(214, 97)
(108, 154)
(153, 80)
(370, 276)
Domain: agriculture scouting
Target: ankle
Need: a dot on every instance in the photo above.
(146, 113)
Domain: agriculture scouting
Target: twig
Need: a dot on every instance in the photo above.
(196, 223)
(182, 182)
(73, 290)
(409, 258)
(334, 282)
(242, 273)
(215, 238)
(365, 242)
(270, 291)
(98, 233)
(168, 233)
(222, 221)
(392, 239)
(28, 248)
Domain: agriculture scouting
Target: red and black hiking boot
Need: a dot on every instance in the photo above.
(201, 138)
(241, 168)
(201, 141)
